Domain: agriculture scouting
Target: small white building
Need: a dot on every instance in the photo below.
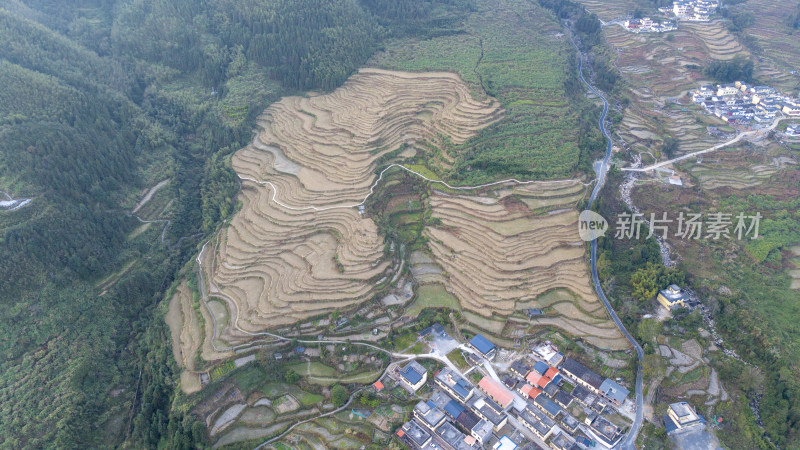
(683, 416)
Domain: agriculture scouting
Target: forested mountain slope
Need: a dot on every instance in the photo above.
(98, 100)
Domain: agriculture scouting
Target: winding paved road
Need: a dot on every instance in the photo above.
(601, 170)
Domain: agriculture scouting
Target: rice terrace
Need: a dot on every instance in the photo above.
(400, 224)
(300, 248)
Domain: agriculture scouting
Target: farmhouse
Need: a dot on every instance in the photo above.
(681, 415)
(496, 392)
(536, 421)
(615, 393)
(487, 409)
(608, 433)
(457, 387)
(454, 438)
(413, 375)
(671, 297)
(429, 415)
(548, 406)
(582, 375)
(562, 442)
(791, 108)
(505, 443)
(482, 432)
(413, 435)
(519, 369)
(483, 346)
(529, 391)
(549, 353)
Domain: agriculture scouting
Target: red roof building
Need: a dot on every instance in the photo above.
(529, 391)
(496, 391)
(378, 386)
(551, 373)
(533, 378)
(542, 382)
(525, 390)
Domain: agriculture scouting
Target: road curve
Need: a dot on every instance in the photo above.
(601, 170)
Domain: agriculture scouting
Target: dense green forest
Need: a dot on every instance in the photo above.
(100, 99)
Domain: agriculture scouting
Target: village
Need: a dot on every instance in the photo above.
(740, 104)
(534, 399)
(689, 10)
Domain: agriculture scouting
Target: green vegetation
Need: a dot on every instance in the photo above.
(339, 395)
(739, 68)
(511, 52)
(457, 358)
(418, 348)
(222, 370)
(432, 296)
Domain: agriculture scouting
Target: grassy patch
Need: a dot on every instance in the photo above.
(432, 296)
(418, 348)
(222, 370)
(457, 358)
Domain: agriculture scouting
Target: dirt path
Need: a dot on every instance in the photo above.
(380, 177)
(738, 138)
(149, 195)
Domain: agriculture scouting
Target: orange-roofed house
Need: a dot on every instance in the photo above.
(378, 386)
(533, 378)
(529, 391)
(551, 373)
(496, 391)
(400, 433)
(542, 382)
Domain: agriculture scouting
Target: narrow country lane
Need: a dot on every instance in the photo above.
(601, 170)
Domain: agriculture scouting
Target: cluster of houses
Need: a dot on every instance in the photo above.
(648, 25)
(532, 398)
(739, 103)
(793, 131)
(692, 10)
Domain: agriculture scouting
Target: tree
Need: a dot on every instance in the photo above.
(291, 376)
(670, 146)
(339, 395)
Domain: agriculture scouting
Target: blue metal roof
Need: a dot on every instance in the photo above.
(411, 375)
(548, 405)
(462, 387)
(453, 408)
(482, 344)
(541, 367)
(557, 378)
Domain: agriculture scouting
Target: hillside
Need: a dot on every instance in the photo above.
(102, 101)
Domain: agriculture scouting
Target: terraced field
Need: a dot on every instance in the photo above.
(610, 10)
(781, 53)
(738, 169)
(716, 38)
(187, 335)
(501, 253)
(299, 247)
(659, 74)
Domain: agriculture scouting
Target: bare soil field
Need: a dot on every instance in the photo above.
(299, 247)
(499, 256)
